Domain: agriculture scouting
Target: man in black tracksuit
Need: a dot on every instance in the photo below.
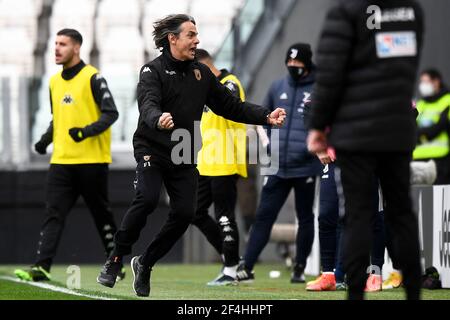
(367, 66)
(172, 92)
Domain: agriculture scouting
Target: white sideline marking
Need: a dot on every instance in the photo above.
(55, 288)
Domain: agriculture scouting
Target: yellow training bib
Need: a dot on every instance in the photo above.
(74, 106)
(224, 142)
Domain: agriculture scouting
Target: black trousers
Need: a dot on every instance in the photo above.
(248, 196)
(181, 185)
(223, 234)
(273, 196)
(358, 172)
(64, 185)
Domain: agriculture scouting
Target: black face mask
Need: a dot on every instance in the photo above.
(296, 72)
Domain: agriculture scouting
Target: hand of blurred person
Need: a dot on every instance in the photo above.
(317, 142)
(324, 158)
(327, 157)
(331, 153)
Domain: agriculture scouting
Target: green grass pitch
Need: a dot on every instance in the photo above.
(186, 282)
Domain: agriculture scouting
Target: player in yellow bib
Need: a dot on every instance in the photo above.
(221, 161)
(83, 110)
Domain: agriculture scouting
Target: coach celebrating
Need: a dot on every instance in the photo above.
(172, 92)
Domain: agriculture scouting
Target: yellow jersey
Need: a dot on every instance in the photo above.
(74, 106)
(224, 142)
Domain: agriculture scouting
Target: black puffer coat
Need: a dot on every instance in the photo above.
(366, 76)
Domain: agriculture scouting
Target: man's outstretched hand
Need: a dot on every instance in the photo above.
(277, 117)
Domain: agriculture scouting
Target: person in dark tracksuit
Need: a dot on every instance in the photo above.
(367, 67)
(332, 277)
(330, 235)
(83, 111)
(297, 167)
(172, 92)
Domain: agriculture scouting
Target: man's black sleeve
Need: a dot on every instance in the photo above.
(47, 137)
(149, 96)
(233, 87)
(105, 102)
(225, 104)
(334, 50)
(269, 101)
(433, 131)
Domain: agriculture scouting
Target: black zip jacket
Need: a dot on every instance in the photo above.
(183, 88)
(366, 76)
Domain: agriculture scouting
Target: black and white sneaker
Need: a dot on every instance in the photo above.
(244, 274)
(141, 282)
(110, 272)
(298, 274)
(222, 280)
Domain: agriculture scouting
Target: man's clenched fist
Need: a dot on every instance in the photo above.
(277, 117)
(165, 122)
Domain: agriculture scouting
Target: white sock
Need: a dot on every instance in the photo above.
(230, 271)
(328, 272)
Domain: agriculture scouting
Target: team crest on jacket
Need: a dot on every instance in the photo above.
(198, 74)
